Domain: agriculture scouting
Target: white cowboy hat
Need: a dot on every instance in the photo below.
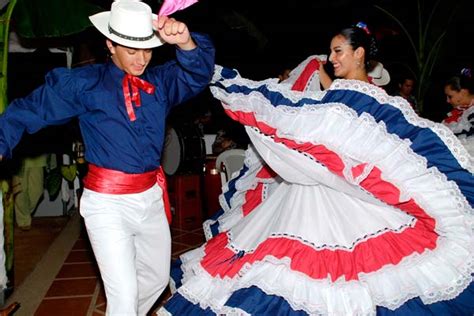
(128, 23)
(379, 75)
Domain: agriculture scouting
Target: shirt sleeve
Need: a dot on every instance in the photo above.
(53, 103)
(190, 73)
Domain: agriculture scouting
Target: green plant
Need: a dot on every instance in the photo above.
(54, 177)
(426, 41)
(52, 182)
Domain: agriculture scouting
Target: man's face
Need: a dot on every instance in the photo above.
(131, 60)
(406, 88)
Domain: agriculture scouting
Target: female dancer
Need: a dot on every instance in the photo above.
(459, 92)
(353, 205)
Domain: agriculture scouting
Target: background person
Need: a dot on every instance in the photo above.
(459, 91)
(28, 188)
(405, 87)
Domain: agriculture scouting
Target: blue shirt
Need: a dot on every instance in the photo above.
(94, 94)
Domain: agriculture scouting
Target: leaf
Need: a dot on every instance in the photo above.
(69, 172)
(53, 183)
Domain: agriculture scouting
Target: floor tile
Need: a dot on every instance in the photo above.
(81, 244)
(177, 232)
(80, 256)
(198, 231)
(71, 306)
(73, 287)
(75, 270)
(101, 302)
(179, 248)
(30, 246)
(190, 239)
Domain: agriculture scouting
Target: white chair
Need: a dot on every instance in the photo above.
(228, 162)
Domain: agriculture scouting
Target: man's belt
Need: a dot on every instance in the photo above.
(110, 181)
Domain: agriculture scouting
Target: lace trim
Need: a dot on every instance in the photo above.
(351, 247)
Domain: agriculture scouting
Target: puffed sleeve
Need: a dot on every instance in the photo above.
(53, 103)
(189, 74)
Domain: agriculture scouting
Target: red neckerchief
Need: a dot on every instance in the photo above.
(454, 115)
(136, 83)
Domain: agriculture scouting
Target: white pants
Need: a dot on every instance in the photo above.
(131, 240)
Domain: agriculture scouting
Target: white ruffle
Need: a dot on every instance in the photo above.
(468, 143)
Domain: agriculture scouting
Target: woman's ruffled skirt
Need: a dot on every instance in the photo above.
(348, 204)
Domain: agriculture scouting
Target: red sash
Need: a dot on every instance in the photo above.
(109, 181)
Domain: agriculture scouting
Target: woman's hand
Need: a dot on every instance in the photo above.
(324, 78)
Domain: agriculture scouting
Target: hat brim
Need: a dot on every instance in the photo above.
(101, 22)
(383, 80)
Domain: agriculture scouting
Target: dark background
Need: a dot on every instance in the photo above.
(261, 38)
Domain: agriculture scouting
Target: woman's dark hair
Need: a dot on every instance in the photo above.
(461, 81)
(360, 36)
